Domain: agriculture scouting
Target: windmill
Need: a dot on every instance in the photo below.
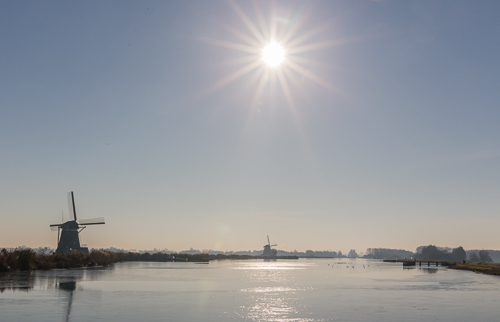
(68, 239)
(268, 251)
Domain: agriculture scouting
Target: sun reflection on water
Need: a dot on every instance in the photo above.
(275, 265)
(274, 305)
(271, 271)
(276, 298)
(268, 289)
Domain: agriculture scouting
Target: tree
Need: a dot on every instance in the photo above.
(473, 257)
(388, 253)
(458, 254)
(432, 252)
(352, 254)
(484, 256)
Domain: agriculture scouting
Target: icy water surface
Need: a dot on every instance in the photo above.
(251, 290)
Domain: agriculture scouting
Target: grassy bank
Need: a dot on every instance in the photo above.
(484, 268)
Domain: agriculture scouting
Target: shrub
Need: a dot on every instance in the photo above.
(4, 267)
(101, 258)
(25, 259)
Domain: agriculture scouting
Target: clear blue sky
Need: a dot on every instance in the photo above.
(382, 130)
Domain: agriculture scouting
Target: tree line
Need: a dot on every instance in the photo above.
(456, 254)
(431, 252)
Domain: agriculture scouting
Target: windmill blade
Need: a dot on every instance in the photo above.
(73, 201)
(71, 206)
(92, 221)
(56, 225)
(268, 242)
(274, 245)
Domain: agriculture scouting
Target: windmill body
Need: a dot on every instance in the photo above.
(69, 239)
(268, 251)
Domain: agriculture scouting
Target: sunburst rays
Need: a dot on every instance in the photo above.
(284, 29)
(282, 60)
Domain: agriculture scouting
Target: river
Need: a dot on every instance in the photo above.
(251, 290)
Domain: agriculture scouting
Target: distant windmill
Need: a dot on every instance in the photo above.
(69, 239)
(268, 251)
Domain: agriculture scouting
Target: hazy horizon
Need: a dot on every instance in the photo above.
(378, 129)
(319, 253)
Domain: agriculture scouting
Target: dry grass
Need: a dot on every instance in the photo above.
(26, 259)
(484, 268)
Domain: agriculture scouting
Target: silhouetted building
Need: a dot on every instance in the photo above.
(69, 239)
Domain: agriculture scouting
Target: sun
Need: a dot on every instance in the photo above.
(273, 54)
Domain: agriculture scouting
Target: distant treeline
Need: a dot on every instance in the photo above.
(456, 254)
(388, 253)
(431, 252)
(494, 254)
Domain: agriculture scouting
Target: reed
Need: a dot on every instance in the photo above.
(26, 259)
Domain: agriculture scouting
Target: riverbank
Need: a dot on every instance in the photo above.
(484, 268)
(26, 259)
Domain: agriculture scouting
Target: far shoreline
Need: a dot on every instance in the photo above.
(477, 267)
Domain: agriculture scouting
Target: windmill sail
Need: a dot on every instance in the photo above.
(71, 206)
(92, 221)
